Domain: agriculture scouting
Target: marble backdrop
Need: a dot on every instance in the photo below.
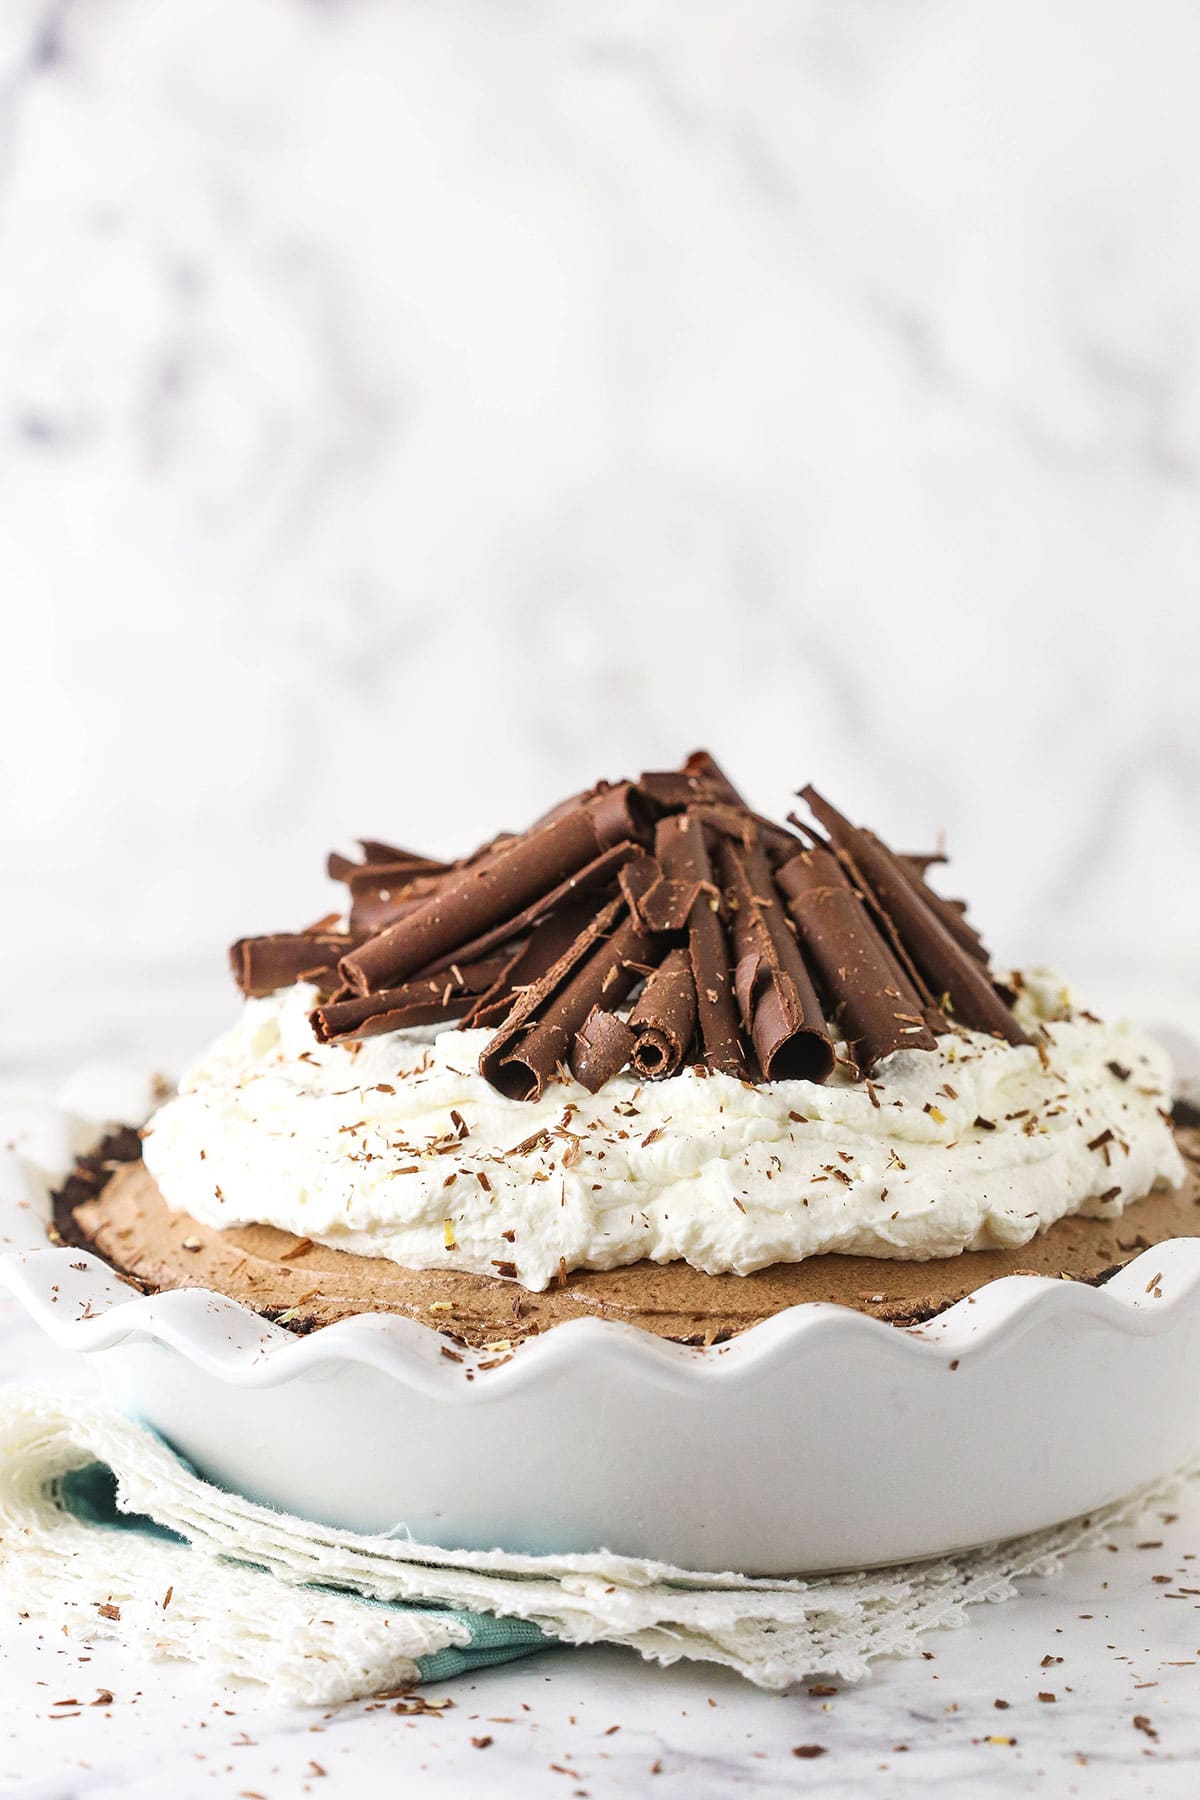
(409, 411)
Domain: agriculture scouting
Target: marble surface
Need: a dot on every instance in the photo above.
(1125, 1717)
(407, 412)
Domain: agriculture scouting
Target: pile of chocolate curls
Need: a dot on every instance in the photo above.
(747, 947)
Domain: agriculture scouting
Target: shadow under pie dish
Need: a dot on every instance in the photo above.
(641, 1180)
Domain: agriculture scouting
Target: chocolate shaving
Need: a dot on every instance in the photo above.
(262, 964)
(779, 1006)
(664, 1018)
(680, 848)
(603, 1045)
(943, 962)
(877, 1009)
(472, 900)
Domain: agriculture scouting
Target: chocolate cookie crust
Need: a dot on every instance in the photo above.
(113, 1206)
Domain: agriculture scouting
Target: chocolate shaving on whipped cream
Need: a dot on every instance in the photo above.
(742, 944)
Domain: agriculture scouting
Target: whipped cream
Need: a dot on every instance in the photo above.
(397, 1147)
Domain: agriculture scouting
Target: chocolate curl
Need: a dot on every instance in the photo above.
(707, 772)
(471, 901)
(952, 913)
(921, 861)
(328, 922)
(601, 966)
(731, 809)
(424, 1002)
(550, 940)
(878, 1009)
(386, 885)
(570, 804)
(670, 790)
(680, 848)
(667, 904)
(377, 855)
(701, 778)
(884, 925)
(701, 785)
(778, 1002)
(945, 965)
(664, 1020)
(594, 875)
(616, 965)
(661, 903)
(602, 1048)
(381, 893)
(262, 964)
(375, 851)
(533, 995)
(741, 827)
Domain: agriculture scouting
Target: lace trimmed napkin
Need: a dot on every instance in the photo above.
(105, 1532)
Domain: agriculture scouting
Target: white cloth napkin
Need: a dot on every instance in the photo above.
(261, 1597)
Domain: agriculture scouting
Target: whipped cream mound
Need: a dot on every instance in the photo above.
(397, 1147)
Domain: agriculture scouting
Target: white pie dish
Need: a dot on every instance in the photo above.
(817, 1440)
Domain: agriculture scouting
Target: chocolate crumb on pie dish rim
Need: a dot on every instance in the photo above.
(819, 1438)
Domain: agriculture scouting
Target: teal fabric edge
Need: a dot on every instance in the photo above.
(90, 1495)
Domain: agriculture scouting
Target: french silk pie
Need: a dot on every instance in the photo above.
(656, 1059)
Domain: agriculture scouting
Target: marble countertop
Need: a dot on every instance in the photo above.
(1125, 1713)
(507, 381)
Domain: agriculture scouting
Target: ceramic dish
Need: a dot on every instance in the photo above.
(818, 1440)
